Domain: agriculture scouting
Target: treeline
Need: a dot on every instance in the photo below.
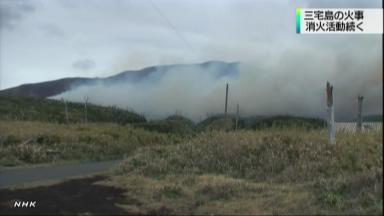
(180, 125)
(48, 110)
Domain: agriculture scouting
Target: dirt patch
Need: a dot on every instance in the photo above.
(73, 197)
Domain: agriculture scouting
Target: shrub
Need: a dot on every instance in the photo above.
(177, 125)
(10, 140)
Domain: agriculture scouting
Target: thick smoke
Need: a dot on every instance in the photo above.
(292, 82)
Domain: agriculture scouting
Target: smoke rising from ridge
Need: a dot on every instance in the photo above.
(292, 82)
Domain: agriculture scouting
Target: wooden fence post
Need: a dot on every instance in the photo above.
(226, 101)
(359, 113)
(330, 114)
(66, 110)
(237, 116)
(85, 109)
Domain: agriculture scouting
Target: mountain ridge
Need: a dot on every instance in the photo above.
(58, 86)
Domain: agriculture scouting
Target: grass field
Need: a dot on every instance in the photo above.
(267, 171)
(26, 143)
(263, 172)
(278, 165)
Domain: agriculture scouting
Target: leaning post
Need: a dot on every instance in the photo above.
(237, 116)
(85, 109)
(330, 114)
(226, 101)
(65, 110)
(359, 113)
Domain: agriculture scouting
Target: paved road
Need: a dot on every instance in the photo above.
(17, 176)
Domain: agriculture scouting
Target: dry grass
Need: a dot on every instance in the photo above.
(263, 172)
(277, 155)
(273, 171)
(36, 142)
(209, 194)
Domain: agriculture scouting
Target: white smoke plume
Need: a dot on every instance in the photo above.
(292, 81)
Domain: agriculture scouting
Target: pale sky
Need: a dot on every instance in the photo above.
(43, 40)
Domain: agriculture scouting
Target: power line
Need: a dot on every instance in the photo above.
(173, 28)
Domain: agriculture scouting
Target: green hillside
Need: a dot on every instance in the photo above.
(48, 110)
(173, 166)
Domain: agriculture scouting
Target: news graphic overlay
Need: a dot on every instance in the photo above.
(339, 21)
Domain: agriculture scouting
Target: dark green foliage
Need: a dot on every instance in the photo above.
(373, 118)
(362, 191)
(182, 119)
(9, 140)
(180, 125)
(175, 124)
(219, 122)
(48, 139)
(331, 199)
(48, 110)
(287, 122)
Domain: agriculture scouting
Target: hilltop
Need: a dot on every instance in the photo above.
(56, 87)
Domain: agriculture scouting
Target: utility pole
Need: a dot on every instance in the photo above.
(85, 109)
(237, 116)
(65, 110)
(359, 113)
(226, 101)
(330, 114)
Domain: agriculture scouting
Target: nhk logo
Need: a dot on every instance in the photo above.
(24, 204)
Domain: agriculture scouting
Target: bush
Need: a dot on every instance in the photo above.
(282, 122)
(331, 199)
(177, 125)
(10, 140)
(219, 122)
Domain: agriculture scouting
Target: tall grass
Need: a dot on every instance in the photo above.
(37, 142)
(278, 155)
(299, 171)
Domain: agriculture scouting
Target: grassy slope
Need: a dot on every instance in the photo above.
(50, 142)
(283, 169)
(23, 143)
(263, 172)
(47, 110)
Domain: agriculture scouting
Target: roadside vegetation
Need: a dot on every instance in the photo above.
(256, 172)
(26, 143)
(34, 130)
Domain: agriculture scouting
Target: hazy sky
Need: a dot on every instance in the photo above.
(49, 39)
